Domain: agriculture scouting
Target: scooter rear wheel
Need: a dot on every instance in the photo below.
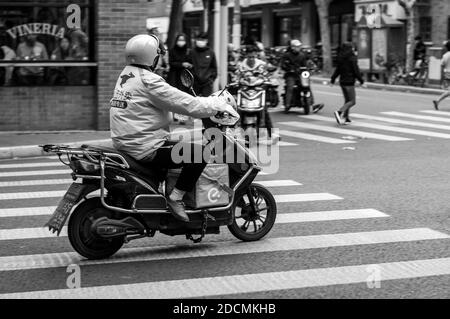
(254, 217)
(83, 239)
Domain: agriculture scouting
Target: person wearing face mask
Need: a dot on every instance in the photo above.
(204, 66)
(179, 60)
(290, 62)
(255, 67)
(140, 117)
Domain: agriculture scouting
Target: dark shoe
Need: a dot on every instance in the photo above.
(318, 107)
(436, 105)
(177, 210)
(337, 115)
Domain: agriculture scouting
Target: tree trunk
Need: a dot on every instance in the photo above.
(322, 9)
(237, 24)
(411, 32)
(176, 22)
(411, 29)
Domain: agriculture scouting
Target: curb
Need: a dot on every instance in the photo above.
(387, 87)
(34, 150)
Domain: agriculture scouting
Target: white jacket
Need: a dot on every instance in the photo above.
(141, 109)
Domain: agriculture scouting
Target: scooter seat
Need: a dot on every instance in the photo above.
(151, 174)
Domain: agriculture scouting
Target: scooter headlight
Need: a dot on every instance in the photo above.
(305, 74)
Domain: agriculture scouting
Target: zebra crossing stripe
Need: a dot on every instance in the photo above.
(31, 195)
(403, 122)
(27, 211)
(35, 173)
(278, 183)
(166, 252)
(388, 128)
(437, 112)
(37, 182)
(285, 198)
(288, 198)
(336, 130)
(30, 165)
(419, 117)
(233, 284)
(313, 137)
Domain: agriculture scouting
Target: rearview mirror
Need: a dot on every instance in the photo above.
(187, 79)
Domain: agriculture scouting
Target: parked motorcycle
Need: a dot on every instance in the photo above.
(116, 199)
(302, 94)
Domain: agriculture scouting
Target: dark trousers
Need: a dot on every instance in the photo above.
(190, 170)
(205, 89)
(349, 97)
(267, 122)
(290, 83)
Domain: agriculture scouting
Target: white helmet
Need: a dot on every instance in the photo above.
(143, 49)
(296, 43)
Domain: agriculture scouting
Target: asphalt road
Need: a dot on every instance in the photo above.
(374, 220)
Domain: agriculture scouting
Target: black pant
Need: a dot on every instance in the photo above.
(203, 89)
(190, 170)
(350, 98)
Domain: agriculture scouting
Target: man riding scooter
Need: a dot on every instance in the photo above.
(258, 68)
(141, 113)
(291, 62)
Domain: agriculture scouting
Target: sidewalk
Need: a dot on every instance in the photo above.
(387, 87)
(26, 144)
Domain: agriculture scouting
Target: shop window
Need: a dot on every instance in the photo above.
(47, 42)
(425, 28)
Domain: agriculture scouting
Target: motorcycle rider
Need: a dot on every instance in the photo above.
(252, 65)
(140, 115)
(292, 60)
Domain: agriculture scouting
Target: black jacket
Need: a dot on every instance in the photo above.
(205, 65)
(177, 57)
(292, 61)
(348, 71)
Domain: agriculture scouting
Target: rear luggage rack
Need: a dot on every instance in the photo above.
(93, 155)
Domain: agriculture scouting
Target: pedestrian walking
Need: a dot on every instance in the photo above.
(445, 64)
(204, 66)
(348, 72)
(179, 60)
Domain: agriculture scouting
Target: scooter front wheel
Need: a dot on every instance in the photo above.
(81, 236)
(254, 214)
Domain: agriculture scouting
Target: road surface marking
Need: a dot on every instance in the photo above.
(17, 212)
(30, 195)
(35, 173)
(166, 252)
(29, 165)
(37, 182)
(290, 198)
(27, 211)
(329, 215)
(402, 122)
(313, 137)
(278, 198)
(387, 128)
(345, 131)
(437, 112)
(278, 183)
(250, 283)
(419, 117)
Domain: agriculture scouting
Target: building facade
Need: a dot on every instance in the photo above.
(60, 61)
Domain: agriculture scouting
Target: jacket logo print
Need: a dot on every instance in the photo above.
(125, 78)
